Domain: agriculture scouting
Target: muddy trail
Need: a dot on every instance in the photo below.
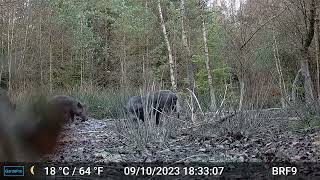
(99, 141)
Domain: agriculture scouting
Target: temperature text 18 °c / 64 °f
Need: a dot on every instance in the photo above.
(73, 171)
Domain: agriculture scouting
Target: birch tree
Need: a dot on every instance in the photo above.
(317, 50)
(281, 82)
(11, 24)
(213, 103)
(171, 62)
(305, 58)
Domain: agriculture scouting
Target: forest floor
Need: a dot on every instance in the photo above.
(99, 141)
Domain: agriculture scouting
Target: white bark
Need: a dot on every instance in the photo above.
(316, 41)
(241, 81)
(28, 7)
(10, 42)
(279, 70)
(145, 57)
(144, 74)
(123, 64)
(171, 62)
(294, 87)
(213, 104)
(308, 89)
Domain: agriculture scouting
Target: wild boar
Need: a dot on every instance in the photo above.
(155, 103)
(70, 106)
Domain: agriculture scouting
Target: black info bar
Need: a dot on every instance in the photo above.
(160, 170)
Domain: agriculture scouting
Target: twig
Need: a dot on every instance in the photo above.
(224, 98)
(196, 100)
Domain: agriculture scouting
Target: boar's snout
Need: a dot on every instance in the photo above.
(81, 111)
(84, 118)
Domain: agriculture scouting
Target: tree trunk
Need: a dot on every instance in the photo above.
(305, 58)
(171, 62)
(62, 48)
(123, 64)
(241, 81)
(8, 53)
(81, 68)
(294, 87)
(279, 70)
(50, 64)
(28, 7)
(40, 49)
(213, 103)
(10, 41)
(91, 71)
(144, 74)
(145, 57)
(2, 53)
(308, 87)
(317, 50)
(191, 65)
(81, 59)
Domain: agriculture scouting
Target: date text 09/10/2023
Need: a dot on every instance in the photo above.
(172, 171)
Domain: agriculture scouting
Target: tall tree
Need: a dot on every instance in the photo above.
(317, 49)
(282, 85)
(305, 59)
(190, 64)
(213, 103)
(171, 62)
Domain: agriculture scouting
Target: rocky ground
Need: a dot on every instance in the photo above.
(99, 141)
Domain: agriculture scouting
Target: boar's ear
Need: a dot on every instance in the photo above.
(79, 105)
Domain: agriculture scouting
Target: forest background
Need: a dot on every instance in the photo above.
(234, 55)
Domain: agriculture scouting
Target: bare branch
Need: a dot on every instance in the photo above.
(259, 28)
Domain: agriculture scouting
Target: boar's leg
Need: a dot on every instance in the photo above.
(140, 114)
(71, 116)
(158, 114)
